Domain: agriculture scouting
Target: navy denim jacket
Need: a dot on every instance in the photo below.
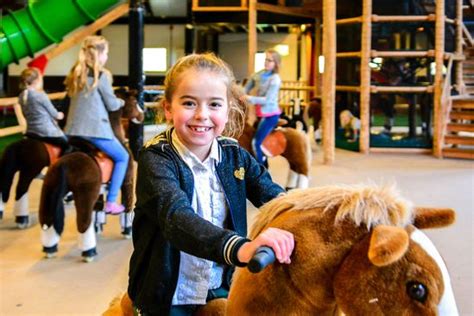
(165, 222)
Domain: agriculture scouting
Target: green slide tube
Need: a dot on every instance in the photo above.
(44, 22)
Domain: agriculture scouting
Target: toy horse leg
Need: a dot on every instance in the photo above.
(49, 240)
(296, 181)
(87, 244)
(21, 196)
(303, 182)
(100, 218)
(126, 220)
(85, 200)
(20, 210)
(291, 180)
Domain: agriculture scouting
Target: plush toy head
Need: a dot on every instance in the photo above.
(356, 251)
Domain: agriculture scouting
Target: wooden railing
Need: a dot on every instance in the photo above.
(13, 102)
(294, 90)
(446, 103)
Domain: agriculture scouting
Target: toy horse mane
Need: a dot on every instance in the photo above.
(368, 205)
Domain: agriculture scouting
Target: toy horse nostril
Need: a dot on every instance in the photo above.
(417, 291)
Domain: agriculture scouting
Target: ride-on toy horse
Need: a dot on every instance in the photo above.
(290, 143)
(358, 250)
(83, 174)
(27, 157)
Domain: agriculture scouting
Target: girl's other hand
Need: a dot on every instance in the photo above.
(281, 241)
(60, 116)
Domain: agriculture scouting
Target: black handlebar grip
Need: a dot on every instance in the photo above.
(262, 258)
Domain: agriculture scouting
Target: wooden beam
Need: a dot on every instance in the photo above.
(78, 36)
(348, 88)
(348, 54)
(428, 53)
(402, 18)
(252, 49)
(366, 45)
(219, 9)
(357, 19)
(401, 89)
(329, 80)
(292, 11)
(459, 82)
(317, 53)
(438, 118)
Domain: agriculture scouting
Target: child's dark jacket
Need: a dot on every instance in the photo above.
(165, 221)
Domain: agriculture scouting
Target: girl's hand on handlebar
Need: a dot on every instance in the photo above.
(281, 241)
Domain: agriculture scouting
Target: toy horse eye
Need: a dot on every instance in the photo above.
(417, 291)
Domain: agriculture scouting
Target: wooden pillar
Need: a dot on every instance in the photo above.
(458, 50)
(438, 80)
(252, 36)
(317, 53)
(366, 46)
(329, 79)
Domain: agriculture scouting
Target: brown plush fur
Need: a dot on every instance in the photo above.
(340, 232)
(329, 224)
(387, 245)
(425, 217)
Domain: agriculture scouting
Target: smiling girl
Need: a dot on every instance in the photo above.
(192, 184)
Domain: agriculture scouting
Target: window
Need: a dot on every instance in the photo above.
(154, 60)
(259, 61)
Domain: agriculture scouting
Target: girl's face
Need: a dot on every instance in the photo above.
(269, 62)
(198, 109)
(103, 56)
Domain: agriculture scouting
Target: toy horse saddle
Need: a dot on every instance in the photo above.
(106, 165)
(53, 152)
(274, 144)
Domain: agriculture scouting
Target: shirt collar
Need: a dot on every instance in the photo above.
(191, 158)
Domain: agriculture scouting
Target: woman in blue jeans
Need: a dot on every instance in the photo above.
(89, 85)
(267, 82)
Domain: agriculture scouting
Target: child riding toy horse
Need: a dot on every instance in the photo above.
(291, 143)
(357, 251)
(83, 173)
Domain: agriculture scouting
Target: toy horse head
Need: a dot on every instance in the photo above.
(357, 250)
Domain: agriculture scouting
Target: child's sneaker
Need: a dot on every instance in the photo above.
(113, 208)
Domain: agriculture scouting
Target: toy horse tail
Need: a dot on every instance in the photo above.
(54, 188)
(8, 167)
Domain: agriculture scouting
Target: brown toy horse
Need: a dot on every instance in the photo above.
(81, 174)
(291, 143)
(27, 157)
(357, 251)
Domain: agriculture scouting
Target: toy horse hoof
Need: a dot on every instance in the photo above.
(68, 198)
(127, 232)
(99, 229)
(50, 255)
(22, 222)
(89, 255)
(50, 252)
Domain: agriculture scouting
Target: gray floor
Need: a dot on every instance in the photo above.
(31, 285)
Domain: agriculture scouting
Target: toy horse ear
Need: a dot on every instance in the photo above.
(426, 217)
(387, 245)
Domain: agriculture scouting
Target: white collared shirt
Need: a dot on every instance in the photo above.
(197, 275)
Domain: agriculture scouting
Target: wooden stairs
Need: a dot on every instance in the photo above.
(459, 136)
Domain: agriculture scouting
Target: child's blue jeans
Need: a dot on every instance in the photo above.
(115, 150)
(266, 125)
